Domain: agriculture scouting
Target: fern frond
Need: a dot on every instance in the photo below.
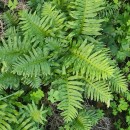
(35, 5)
(8, 80)
(34, 82)
(62, 4)
(10, 19)
(109, 10)
(7, 117)
(70, 91)
(118, 82)
(35, 26)
(85, 120)
(98, 91)
(86, 62)
(33, 64)
(56, 17)
(12, 48)
(83, 15)
(25, 123)
(82, 122)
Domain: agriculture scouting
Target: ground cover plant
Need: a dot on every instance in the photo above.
(58, 68)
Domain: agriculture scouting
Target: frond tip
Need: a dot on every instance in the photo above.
(98, 91)
(118, 82)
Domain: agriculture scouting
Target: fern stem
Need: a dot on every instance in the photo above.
(8, 96)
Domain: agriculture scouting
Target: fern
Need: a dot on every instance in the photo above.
(84, 20)
(109, 10)
(12, 48)
(34, 82)
(8, 80)
(118, 82)
(85, 120)
(37, 27)
(10, 18)
(82, 122)
(98, 91)
(88, 63)
(33, 64)
(71, 98)
(29, 118)
(55, 45)
(56, 17)
(7, 117)
(25, 124)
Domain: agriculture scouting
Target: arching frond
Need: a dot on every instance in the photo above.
(25, 123)
(70, 91)
(109, 10)
(86, 62)
(8, 80)
(34, 82)
(56, 17)
(39, 28)
(12, 48)
(7, 117)
(98, 91)
(33, 64)
(82, 122)
(83, 15)
(35, 26)
(10, 19)
(85, 120)
(118, 82)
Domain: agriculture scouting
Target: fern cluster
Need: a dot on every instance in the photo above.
(56, 46)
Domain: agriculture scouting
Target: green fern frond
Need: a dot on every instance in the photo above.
(118, 82)
(12, 48)
(35, 26)
(25, 123)
(8, 80)
(86, 62)
(71, 97)
(56, 17)
(10, 19)
(85, 120)
(35, 5)
(84, 21)
(109, 10)
(82, 122)
(33, 64)
(7, 117)
(98, 91)
(34, 82)
(62, 4)
(55, 47)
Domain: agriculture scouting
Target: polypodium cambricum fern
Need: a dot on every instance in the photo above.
(55, 48)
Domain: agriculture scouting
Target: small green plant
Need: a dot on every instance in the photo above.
(53, 95)
(37, 95)
(121, 110)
